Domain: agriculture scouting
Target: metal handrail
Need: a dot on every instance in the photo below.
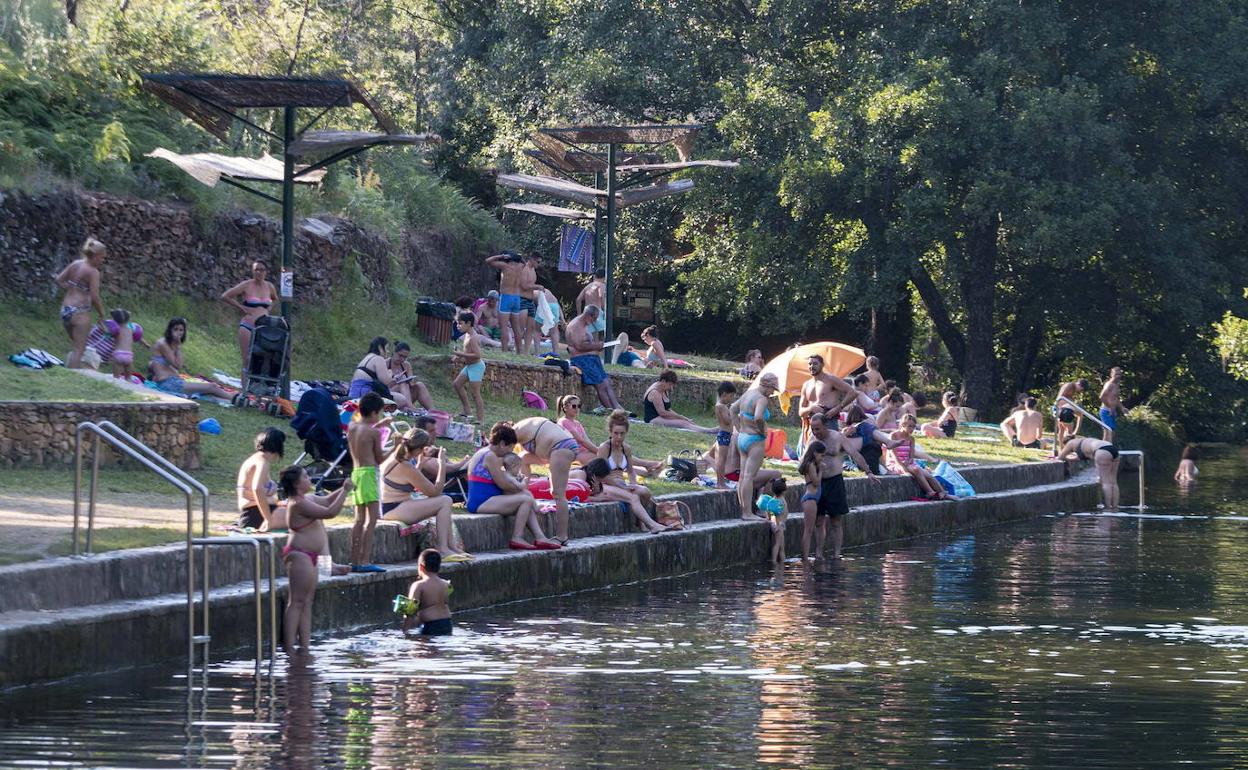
(256, 544)
(1140, 454)
(156, 457)
(1085, 413)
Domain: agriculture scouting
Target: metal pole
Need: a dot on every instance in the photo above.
(272, 602)
(288, 217)
(609, 249)
(95, 472)
(77, 483)
(1141, 506)
(597, 224)
(255, 576)
(190, 592)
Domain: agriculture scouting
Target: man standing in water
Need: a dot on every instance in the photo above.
(1024, 426)
(833, 503)
(824, 394)
(586, 352)
(595, 293)
(513, 318)
(1111, 403)
(1066, 419)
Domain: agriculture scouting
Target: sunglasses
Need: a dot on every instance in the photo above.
(574, 406)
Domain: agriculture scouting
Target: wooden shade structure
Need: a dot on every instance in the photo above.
(571, 151)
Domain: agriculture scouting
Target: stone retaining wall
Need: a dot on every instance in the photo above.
(41, 434)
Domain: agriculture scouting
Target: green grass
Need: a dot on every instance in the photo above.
(58, 384)
(118, 538)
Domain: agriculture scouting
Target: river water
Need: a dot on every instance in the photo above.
(1078, 640)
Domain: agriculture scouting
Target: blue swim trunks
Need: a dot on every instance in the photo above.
(723, 438)
(1109, 418)
(592, 370)
(474, 372)
(509, 303)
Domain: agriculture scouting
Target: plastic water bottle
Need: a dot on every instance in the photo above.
(325, 565)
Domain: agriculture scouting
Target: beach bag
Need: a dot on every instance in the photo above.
(667, 513)
(577, 491)
(532, 400)
(953, 481)
(459, 431)
(774, 447)
(681, 469)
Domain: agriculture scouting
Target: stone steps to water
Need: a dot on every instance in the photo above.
(135, 607)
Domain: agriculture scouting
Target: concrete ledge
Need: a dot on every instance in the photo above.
(37, 646)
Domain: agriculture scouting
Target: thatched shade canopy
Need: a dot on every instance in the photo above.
(545, 210)
(645, 134)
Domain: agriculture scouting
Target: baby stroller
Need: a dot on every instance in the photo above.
(316, 421)
(267, 363)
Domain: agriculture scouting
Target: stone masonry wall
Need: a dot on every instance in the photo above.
(164, 248)
(41, 434)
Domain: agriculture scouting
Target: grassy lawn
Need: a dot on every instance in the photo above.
(57, 384)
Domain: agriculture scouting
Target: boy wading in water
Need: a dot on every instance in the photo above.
(474, 369)
(364, 440)
(428, 600)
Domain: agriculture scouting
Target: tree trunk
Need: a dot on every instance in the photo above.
(71, 11)
(892, 332)
(938, 311)
(979, 284)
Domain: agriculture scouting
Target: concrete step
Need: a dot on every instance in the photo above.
(39, 645)
(144, 572)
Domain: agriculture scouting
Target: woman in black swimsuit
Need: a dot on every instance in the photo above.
(252, 298)
(1104, 456)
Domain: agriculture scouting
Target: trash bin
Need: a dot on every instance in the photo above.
(434, 320)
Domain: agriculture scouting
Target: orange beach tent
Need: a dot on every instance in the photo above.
(792, 369)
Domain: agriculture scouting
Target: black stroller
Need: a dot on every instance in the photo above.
(267, 364)
(316, 421)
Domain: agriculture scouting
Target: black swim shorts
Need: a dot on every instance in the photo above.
(529, 306)
(250, 517)
(1066, 414)
(832, 499)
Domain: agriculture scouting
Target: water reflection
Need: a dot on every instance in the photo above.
(1116, 641)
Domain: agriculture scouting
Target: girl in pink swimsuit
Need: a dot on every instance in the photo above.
(305, 514)
(901, 460)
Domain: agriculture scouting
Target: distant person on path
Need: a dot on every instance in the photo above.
(753, 364)
(257, 493)
(1104, 457)
(656, 405)
(252, 299)
(824, 394)
(410, 389)
(726, 393)
(585, 352)
(833, 502)
(165, 365)
(1111, 403)
(306, 514)
(514, 320)
(594, 293)
(429, 597)
(81, 282)
(752, 412)
(491, 489)
(401, 478)
(945, 426)
(473, 371)
(1187, 470)
(364, 441)
(1024, 427)
(1066, 418)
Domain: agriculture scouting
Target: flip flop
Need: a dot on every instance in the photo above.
(520, 545)
(456, 557)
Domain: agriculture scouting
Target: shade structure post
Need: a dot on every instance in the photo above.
(288, 219)
(609, 246)
(597, 224)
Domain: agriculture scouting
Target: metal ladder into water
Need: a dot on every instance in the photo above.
(107, 432)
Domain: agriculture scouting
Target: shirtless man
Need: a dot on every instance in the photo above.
(1111, 403)
(529, 289)
(1067, 419)
(488, 317)
(833, 503)
(875, 381)
(513, 319)
(1024, 426)
(585, 352)
(824, 394)
(595, 293)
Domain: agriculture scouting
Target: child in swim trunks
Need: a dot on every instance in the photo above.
(428, 599)
(723, 438)
(474, 368)
(304, 545)
(774, 507)
(364, 441)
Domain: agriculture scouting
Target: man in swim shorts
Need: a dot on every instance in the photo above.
(528, 301)
(1024, 426)
(833, 502)
(1111, 403)
(595, 293)
(824, 395)
(586, 352)
(488, 318)
(510, 268)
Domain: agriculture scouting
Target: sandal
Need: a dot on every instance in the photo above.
(520, 545)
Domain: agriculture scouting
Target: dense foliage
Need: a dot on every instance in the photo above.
(1050, 187)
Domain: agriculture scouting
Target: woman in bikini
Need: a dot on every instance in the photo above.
(401, 478)
(252, 298)
(656, 354)
(597, 474)
(165, 365)
(750, 414)
(947, 424)
(545, 442)
(81, 281)
(491, 489)
(619, 458)
(257, 493)
(375, 366)
(405, 383)
(1104, 456)
(303, 547)
(891, 409)
(901, 460)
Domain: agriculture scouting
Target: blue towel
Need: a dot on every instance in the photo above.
(576, 250)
